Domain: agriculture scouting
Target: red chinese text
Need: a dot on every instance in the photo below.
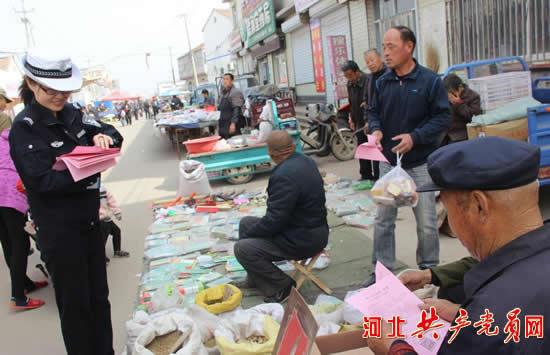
(427, 323)
(461, 321)
(484, 324)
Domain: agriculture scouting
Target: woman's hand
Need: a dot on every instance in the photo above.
(102, 141)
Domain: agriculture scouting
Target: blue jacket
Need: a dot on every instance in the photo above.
(296, 217)
(416, 104)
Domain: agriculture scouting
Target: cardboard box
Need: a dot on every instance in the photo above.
(298, 331)
(348, 343)
(517, 129)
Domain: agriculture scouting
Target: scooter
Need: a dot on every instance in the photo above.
(322, 135)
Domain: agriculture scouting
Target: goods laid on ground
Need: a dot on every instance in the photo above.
(186, 301)
(186, 117)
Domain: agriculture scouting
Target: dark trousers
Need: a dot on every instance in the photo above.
(110, 228)
(368, 169)
(224, 125)
(257, 257)
(76, 262)
(15, 245)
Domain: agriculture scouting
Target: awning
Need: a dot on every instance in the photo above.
(119, 96)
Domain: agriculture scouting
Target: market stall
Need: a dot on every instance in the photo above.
(189, 273)
(183, 125)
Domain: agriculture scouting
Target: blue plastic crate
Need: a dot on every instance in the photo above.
(541, 90)
(539, 133)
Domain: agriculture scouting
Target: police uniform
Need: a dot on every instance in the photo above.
(66, 214)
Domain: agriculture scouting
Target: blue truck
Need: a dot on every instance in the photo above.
(538, 117)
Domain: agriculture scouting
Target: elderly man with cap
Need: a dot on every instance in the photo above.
(490, 189)
(5, 121)
(295, 225)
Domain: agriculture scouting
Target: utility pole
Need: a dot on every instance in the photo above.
(172, 65)
(27, 23)
(190, 50)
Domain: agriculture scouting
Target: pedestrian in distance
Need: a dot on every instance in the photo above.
(107, 211)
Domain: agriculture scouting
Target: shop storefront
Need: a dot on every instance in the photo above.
(321, 42)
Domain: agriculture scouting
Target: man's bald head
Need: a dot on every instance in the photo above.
(279, 140)
(280, 146)
(484, 221)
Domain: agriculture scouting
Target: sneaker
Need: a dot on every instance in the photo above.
(121, 254)
(26, 304)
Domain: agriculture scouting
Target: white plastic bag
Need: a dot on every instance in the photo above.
(233, 334)
(351, 314)
(193, 179)
(328, 328)
(396, 188)
(275, 310)
(167, 324)
(328, 309)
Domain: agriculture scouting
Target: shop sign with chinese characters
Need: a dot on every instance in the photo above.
(338, 54)
(258, 21)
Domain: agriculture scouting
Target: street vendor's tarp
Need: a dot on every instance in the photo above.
(119, 96)
(171, 92)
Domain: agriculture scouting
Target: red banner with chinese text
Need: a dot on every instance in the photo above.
(317, 50)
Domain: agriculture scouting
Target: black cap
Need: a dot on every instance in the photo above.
(490, 163)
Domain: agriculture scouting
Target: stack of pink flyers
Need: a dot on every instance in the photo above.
(370, 150)
(84, 161)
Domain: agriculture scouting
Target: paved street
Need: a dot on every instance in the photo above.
(147, 171)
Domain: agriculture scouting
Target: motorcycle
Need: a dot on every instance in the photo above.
(323, 136)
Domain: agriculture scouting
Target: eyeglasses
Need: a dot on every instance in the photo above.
(52, 92)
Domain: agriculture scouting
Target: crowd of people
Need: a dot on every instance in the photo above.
(488, 186)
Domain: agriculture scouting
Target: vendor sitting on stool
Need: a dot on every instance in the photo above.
(295, 226)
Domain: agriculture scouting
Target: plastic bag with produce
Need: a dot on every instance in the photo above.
(396, 188)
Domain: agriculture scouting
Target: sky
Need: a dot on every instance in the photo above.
(115, 33)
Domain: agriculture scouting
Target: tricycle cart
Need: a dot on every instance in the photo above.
(238, 165)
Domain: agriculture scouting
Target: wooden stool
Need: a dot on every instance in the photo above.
(304, 272)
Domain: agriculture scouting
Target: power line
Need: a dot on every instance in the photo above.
(27, 23)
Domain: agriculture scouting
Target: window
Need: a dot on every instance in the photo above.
(280, 69)
(264, 71)
(488, 29)
(391, 13)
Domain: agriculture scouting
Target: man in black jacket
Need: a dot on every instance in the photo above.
(357, 92)
(295, 225)
(409, 116)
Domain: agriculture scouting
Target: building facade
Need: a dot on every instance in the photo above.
(216, 37)
(302, 47)
(185, 67)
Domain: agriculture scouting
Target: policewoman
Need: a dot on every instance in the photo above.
(65, 212)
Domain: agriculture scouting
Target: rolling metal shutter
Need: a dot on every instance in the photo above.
(333, 24)
(302, 55)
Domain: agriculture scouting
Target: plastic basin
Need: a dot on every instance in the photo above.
(201, 145)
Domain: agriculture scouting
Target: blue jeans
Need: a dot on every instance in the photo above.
(427, 250)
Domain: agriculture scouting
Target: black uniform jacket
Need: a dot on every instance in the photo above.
(515, 276)
(296, 217)
(37, 138)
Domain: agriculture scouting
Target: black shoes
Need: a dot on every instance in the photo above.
(280, 296)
